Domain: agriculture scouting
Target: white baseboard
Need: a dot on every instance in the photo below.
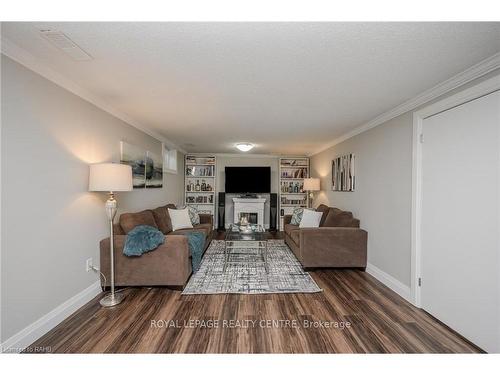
(34, 331)
(390, 282)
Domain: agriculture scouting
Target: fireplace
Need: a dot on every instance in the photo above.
(252, 217)
(251, 208)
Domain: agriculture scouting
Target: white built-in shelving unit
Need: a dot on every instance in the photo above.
(200, 180)
(292, 172)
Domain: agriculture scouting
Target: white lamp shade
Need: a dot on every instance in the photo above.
(311, 184)
(110, 177)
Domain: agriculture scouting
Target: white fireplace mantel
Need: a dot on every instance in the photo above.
(249, 205)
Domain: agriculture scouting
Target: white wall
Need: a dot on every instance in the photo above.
(382, 200)
(246, 161)
(50, 223)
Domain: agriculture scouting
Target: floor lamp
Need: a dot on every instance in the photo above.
(110, 177)
(310, 185)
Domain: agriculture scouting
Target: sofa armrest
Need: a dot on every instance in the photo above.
(333, 247)
(207, 219)
(169, 264)
(287, 219)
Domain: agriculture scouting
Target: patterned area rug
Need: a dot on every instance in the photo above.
(249, 276)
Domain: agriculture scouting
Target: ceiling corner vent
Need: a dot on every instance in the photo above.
(65, 44)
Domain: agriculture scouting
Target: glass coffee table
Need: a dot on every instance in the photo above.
(240, 239)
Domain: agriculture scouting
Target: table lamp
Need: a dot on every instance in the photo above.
(110, 177)
(310, 185)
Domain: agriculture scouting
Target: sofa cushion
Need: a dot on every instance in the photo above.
(310, 219)
(206, 228)
(339, 218)
(295, 234)
(324, 209)
(297, 215)
(289, 228)
(194, 215)
(129, 221)
(180, 218)
(162, 218)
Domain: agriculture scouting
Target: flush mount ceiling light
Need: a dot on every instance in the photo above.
(244, 146)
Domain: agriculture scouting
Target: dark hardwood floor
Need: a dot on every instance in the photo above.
(380, 322)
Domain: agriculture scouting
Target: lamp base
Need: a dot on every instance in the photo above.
(110, 300)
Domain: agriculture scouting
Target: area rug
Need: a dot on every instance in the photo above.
(248, 275)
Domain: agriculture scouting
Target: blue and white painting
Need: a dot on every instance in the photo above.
(135, 157)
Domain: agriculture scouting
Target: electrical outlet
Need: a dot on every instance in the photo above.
(88, 265)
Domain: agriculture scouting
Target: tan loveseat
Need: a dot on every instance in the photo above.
(169, 264)
(338, 242)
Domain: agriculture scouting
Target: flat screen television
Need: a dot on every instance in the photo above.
(248, 180)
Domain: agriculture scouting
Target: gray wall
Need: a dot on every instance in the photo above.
(382, 200)
(50, 223)
(246, 161)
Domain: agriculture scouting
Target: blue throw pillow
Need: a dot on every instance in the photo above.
(141, 239)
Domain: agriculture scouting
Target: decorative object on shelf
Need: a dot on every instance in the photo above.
(343, 178)
(111, 177)
(200, 171)
(296, 172)
(199, 160)
(292, 187)
(311, 185)
(244, 146)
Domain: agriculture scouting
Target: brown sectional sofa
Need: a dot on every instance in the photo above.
(338, 242)
(169, 264)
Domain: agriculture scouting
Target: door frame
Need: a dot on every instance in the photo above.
(484, 88)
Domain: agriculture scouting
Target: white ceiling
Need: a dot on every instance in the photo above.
(290, 88)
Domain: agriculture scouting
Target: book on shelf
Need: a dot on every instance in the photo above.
(200, 171)
(294, 173)
(200, 160)
(294, 163)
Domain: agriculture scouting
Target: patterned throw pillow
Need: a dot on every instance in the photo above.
(297, 215)
(194, 215)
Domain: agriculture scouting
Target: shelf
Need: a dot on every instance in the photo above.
(288, 168)
(194, 166)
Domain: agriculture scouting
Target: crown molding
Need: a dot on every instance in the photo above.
(29, 61)
(245, 155)
(476, 71)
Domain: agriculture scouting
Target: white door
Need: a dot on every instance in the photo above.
(460, 262)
